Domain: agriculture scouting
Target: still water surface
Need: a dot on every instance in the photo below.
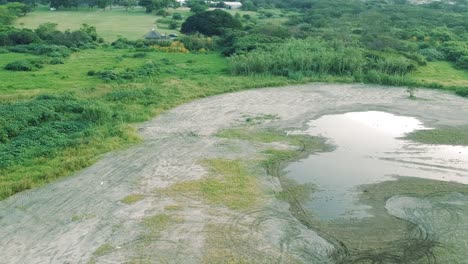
(369, 149)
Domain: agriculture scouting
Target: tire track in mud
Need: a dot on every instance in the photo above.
(37, 226)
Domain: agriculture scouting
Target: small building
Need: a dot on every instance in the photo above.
(153, 35)
(233, 5)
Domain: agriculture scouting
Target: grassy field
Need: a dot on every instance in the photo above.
(441, 72)
(115, 23)
(181, 78)
(109, 23)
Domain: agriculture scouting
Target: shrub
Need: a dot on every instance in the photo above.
(175, 47)
(177, 16)
(462, 92)
(24, 65)
(42, 49)
(55, 61)
(462, 62)
(148, 69)
(210, 23)
(432, 54)
(197, 41)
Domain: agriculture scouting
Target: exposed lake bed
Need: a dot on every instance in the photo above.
(405, 202)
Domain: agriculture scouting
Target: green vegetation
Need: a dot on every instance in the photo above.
(103, 250)
(229, 184)
(85, 116)
(441, 136)
(132, 198)
(210, 23)
(155, 224)
(369, 238)
(67, 96)
(111, 24)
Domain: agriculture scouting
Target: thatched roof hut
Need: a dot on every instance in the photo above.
(153, 35)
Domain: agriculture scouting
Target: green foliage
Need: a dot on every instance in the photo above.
(40, 127)
(432, 54)
(462, 92)
(10, 11)
(146, 70)
(462, 62)
(42, 49)
(198, 8)
(210, 23)
(24, 65)
(197, 42)
(177, 16)
(154, 5)
(317, 57)
(443, 136)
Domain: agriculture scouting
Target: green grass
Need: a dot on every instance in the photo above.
(181, 78)
(103, 250)
(245, 134)
(441, 136)
(110, 24)
(441, 72)
(230, 183)
(132, 198)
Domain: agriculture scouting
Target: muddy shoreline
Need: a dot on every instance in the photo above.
(83, 219)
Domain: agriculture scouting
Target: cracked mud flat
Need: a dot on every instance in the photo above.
(82, 218)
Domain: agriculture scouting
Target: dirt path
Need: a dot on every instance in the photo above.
(82, 219)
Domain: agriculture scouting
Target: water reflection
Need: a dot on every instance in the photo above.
(368, 150)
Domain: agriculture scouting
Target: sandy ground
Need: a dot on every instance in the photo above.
(70, 220)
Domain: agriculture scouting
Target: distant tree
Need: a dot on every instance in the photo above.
(128, 4)
(248, 6)
(198, 8)
(91, 3)
(152, 5)
(173, 24)
(210, 23)
(63, 3)
(6, 17)
(177, 16)
(103, 3)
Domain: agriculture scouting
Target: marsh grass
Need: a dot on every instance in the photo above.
(441, 136)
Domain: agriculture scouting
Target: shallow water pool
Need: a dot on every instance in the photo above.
(370, 149)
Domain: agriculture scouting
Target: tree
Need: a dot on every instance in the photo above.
(198, 8)
(248, 6)
(6, 17)
(151, 5)
(103, 3)
(128, 4)
(210, 23)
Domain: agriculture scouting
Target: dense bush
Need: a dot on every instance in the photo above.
(462, 92)
(316, 57)
(210, 23)
(432, 54)
(196, 42)
(42, 49)
(24, 65)
(40, 127)
(13, 36)
(146, 70)
(462, 62)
